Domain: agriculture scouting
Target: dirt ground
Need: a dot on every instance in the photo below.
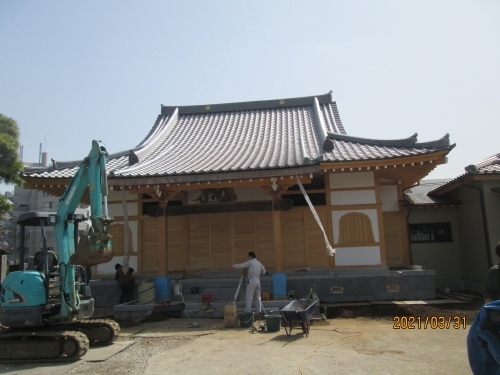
(127, 363)
(172, 344)
(388, 312)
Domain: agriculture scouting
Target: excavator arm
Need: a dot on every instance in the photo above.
(96, 247)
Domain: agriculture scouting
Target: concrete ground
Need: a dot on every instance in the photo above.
(340, 346)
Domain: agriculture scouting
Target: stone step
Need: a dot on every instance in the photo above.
(217, 294)
(187, 284)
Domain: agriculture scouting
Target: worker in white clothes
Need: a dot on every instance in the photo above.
(254, 270)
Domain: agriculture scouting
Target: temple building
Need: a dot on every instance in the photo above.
(209, 183)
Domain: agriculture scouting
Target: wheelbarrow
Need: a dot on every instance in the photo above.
(297, 314)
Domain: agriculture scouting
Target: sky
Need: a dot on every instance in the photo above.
(74, 71)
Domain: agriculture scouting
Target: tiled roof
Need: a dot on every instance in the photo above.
(414, 199)
(417, 195)
(346, 148)
(490, 165)
(244, 137)
(486, 166)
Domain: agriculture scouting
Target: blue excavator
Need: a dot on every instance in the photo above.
(43, 314)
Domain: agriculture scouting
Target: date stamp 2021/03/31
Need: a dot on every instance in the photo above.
(432, 322)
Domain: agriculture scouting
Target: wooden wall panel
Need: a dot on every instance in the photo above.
(396, 248)
(177, 250)
(199, 242)
(220, 241)
(294, 239)
(116, 232)
(214, 242)
(264, 247)
(149, 254)
(244, 232)
(315, 241)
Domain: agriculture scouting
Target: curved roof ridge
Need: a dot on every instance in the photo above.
(244, 106)
(151, 131)
(321, 127)
(157, 134)
(68, 164)
(336, 115)
(441, 142)
(406, 142)
(330, 118)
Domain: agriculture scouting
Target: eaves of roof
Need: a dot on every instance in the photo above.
(348, 148)
(424, 200)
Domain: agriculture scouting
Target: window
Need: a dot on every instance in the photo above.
(432, 232)
(315, 190)
(355, 228)
(47, 206)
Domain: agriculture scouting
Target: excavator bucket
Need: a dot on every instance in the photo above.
(96, 247)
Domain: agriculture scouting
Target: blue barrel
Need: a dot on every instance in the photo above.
(162, 286)
(279, 285)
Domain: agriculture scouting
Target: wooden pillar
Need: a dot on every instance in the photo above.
(279, 258)
(163, 240)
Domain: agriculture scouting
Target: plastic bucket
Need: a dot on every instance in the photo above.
(146, 292)
(273, 323)
(177, 288)
(245, 319)
(162, 285)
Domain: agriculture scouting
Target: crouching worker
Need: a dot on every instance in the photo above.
(254, 270)
(125, 282)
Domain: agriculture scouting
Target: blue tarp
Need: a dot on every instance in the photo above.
(483, 341)
(279, 284)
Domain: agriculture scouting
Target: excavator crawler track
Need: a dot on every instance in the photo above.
(42, 346)
(98, 331)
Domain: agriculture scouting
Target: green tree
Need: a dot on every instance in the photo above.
(10, 165)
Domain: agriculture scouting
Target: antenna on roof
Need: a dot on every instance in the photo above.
(21, 152)
(40, 154)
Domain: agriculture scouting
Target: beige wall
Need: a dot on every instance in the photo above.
(472, 235)
(443, 257)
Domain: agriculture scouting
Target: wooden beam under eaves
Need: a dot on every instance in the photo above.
(135, 186)
(407, 170)
(410, 161)
(56, 187)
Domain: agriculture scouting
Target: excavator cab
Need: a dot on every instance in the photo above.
(32, 297)
(51, 258)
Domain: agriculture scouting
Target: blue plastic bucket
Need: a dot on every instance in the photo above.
(162, 289)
